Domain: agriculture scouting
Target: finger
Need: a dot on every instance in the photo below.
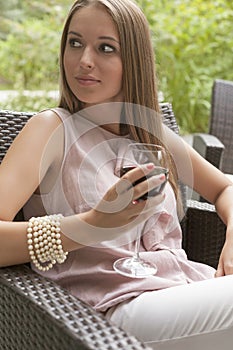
(148, 185)
(123, 185)
(127, 180)
(138, 172)
(115, 202)
(220, 270)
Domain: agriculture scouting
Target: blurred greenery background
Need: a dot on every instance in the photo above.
(193, 42)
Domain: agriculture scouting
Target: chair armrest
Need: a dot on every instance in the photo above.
(37, 313)
(209, 147)
(204, 233)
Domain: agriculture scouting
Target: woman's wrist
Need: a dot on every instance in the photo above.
(44, 241)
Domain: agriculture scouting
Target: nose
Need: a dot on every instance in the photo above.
(87, 59)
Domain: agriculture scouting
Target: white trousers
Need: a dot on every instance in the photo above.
(196, 316)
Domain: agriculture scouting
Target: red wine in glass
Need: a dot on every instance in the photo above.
(157, 171)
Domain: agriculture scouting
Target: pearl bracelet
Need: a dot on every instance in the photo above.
(44, 241)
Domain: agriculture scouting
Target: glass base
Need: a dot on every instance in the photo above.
(134, 268)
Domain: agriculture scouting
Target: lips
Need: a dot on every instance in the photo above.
(87, 80)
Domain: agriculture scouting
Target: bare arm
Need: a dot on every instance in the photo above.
(205, 179)
(224, 208)
(211, 184)
(208, 181)
(20, 175)
(34, 152)
(194, 170)
(218, 189)
(14, 247)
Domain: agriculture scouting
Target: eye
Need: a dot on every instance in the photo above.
(75, 43)
(106, 48)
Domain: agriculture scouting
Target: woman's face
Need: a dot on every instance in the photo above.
(92, 58)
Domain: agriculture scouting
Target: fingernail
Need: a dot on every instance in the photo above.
(162, 177)
(150, 166)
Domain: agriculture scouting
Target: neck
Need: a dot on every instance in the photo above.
(106, 115)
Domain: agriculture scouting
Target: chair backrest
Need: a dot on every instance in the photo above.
(221, 120)
(11, 122)
(10, 125)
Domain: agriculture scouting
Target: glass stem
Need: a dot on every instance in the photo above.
(136, 256)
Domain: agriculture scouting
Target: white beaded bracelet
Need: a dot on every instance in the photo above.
(44, 241)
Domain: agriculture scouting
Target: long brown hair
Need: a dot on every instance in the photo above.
(139, 81)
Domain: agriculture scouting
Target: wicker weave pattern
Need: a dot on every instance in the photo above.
(32, 312)
(205, 233)
(35, 313)
(218, 149)
(221, 120)
(10, 125)
(168, 116)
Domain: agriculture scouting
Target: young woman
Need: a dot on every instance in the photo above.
(63, 169)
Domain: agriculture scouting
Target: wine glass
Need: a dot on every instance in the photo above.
(137, 154)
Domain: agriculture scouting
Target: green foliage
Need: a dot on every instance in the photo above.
(193, 41)
(26, 103)
(29, 53)
(29, 50)
(25, 58)
(194, 45)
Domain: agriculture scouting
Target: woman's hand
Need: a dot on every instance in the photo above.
(224, 207)
(118, 211)
(120, 205)
(225, 265)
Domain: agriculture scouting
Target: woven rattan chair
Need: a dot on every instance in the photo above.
(36, 313)
(219, 151)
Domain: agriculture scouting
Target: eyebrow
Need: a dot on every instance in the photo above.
(101, 37)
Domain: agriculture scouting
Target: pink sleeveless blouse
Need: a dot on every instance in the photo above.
(91, 166)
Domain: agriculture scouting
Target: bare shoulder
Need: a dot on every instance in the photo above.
(41, 126)
(38, 130)
(47, 118)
